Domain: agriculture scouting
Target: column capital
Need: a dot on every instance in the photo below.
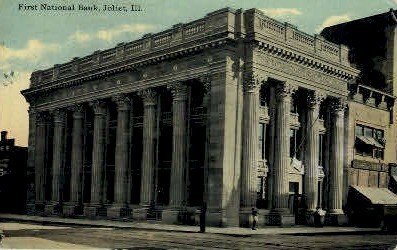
(42, 117)
(122, 101)
(59, 115)
(285, 90)
(206, 81)
(338, 105)
(252, 82)
(99, 107)
(77, 110)
(315, 98)
(149, 97)
(32, 111)
(178, 90)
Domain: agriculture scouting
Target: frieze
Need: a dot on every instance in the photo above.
(294, 69)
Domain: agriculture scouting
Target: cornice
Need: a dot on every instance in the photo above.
(125, 66)
(340, 71)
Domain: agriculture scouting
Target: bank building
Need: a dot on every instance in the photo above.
(234, 110)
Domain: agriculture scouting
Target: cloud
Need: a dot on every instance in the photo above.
(80, 37)
(281, 12)
(332, 20)
(33, 51)
(109, 35)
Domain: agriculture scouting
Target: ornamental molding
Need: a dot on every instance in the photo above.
(252, 82)
(285, 90)
(338, 105)
(98, 72)
(178, 90)
(291, 68)
(308, 62)
(99, 107)
(122, 101)
(149, 97)
(315, 98)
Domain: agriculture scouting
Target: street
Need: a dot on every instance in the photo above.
(34, 236)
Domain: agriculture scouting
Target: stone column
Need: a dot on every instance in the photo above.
(336, 163)
(250, 149)
(148, 154)
(58, 154)
(280, 213)
(30, 171)
(120, 206)
(40, 160)
(312, 154)
(98, 159)
(74, 206)
(179, 147)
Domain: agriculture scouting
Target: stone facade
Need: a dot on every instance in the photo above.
(156, 127)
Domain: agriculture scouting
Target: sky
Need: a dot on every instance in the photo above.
(32, 40)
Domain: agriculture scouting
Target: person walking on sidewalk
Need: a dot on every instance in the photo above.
(202, 217)
(254, 218)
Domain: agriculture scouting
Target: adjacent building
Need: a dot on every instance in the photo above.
(12, 175)
(235, 110)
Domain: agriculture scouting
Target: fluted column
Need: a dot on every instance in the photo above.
(148, 155)
(336, 158)
(40, 153)
(58, 153)
(178, 167)
(282, 146)
(312, 150)
(250, 143)
(122, 149)
(98, 152)
(77, 155)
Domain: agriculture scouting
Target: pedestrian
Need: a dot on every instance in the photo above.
(202, 217)
(254, 218)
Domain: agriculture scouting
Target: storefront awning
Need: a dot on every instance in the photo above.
(381, 196)
(369, 141)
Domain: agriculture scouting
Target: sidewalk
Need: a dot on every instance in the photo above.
(234, 231)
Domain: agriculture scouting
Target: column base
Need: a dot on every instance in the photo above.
(216, 218)
(39, 208)
(245, 217)
(140, 213)
(336, 218)
(30, 208)
(280, 218)
(315, 218)
(119, 211)
(72, 209)
(53, 208)
(171, 216)
(94, 210)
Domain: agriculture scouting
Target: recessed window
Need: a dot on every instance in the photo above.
(369, 142)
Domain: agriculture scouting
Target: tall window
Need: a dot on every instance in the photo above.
(262, 134)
